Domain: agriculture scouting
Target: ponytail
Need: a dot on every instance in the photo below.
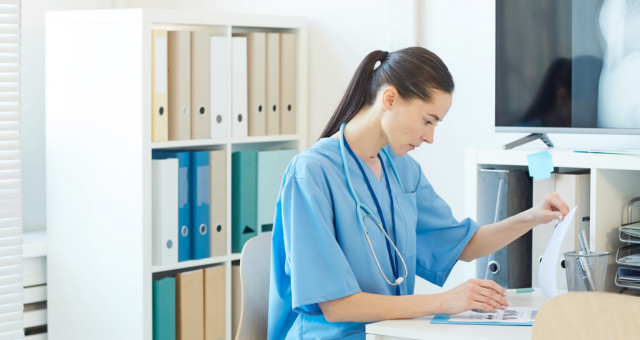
(413, 71)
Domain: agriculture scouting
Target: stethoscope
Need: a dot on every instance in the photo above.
(369, 214)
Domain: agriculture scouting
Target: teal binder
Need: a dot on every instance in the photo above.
(244, 201)
(164, 309)
(271, 167)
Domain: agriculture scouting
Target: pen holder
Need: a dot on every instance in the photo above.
(586, 272)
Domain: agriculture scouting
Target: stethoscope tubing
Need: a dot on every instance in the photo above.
(370, 214)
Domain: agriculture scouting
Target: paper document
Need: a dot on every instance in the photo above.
(547, 270)
(618, 151)
(514, 316)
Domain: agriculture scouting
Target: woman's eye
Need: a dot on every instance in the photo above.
(428, 122)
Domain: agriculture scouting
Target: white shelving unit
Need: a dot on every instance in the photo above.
(98, 88)
(615, 179)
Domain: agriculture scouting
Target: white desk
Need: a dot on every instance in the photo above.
(421, 328)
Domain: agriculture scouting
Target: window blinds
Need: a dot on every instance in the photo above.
(11, 306)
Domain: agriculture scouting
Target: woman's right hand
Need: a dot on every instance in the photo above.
(481, 294)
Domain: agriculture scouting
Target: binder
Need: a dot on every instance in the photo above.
(273, 84)
(288, 68)
(190, 305)
(159, 100)
(164, 309)
(220, 73)
(236, 298)
(200, 86)
(244, 203)
(256, 72)
(164, 208)
(218, 206)
(184, 206)
(214, 303)
(239, 87)
(199, 190)
(574, 190)
(179, 51)
(542, 233)
(271, 167)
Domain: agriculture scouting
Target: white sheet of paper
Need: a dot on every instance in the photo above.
(510, 315)
(547, 270)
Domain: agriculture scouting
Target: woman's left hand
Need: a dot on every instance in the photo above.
(551, 208)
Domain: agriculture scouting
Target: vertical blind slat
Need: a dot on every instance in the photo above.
(11, 280)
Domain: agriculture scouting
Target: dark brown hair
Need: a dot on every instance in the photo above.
(413, 71)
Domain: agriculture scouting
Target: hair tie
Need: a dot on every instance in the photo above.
(384, 56)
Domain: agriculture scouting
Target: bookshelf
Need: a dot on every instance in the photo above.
(98, 137)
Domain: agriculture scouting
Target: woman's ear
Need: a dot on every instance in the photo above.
(389, 97)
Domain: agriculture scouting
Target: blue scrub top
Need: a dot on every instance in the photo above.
(319, 252)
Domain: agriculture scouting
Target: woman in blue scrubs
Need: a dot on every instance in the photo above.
(328, 277)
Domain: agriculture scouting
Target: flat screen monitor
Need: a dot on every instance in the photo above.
(568, 66)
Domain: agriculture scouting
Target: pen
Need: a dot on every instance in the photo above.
(587, 284)
(583, 262)
(519, 290)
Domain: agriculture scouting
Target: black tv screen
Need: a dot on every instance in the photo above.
(568, 66)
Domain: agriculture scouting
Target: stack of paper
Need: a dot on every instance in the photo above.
(631, 229)
(631, 259)
(629, 276)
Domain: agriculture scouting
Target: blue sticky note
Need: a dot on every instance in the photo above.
(540, 166)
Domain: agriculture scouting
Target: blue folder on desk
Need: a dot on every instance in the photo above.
(444, 319)
(184, 208)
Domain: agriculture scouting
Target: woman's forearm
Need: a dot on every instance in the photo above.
(492, 237)
(366, 307)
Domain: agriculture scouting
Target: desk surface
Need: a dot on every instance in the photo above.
(421, 328)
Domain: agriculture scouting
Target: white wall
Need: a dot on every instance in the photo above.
(341, 33)
(462, 33)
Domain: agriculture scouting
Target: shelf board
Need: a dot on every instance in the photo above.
(190, 264)
(262, 139)
(188, 143)
(219, 142)
(195, 263)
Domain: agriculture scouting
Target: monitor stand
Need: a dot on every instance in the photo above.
(530, 138)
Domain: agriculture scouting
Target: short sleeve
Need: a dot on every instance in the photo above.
(440, 237)
(315, 262)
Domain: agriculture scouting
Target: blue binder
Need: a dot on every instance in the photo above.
(184, 206)
(200, 204)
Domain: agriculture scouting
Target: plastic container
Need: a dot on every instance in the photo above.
(590, 275)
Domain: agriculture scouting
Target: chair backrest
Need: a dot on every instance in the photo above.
(588, 315)
(255, 264)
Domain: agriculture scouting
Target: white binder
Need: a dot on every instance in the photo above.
(219, 86)
(164, 207)
(239, 87)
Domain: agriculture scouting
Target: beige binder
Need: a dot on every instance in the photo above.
(159, 116)
(273, 83)
(179, 85)
(574, 189)
(214, 303)
(288, 67)
(236, 298)
(200, 86)
(190, 305)
(256, 68)
(218, 206)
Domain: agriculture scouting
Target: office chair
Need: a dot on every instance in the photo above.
(588, 315)
(255, 264)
